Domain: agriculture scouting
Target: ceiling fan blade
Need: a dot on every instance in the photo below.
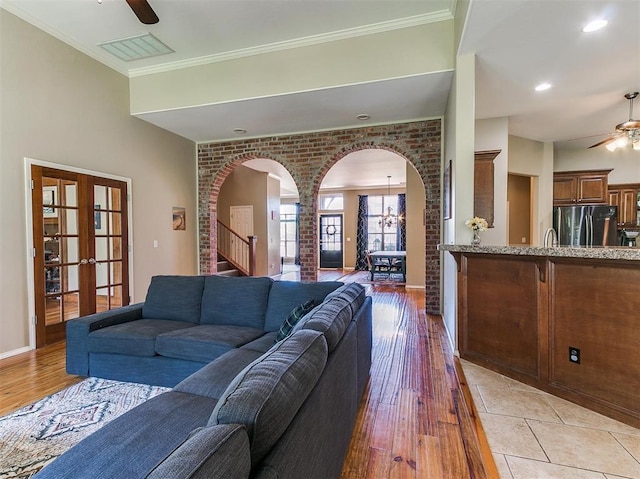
(143, 11)
(606, 141)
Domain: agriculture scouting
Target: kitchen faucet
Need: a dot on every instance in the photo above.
(554, 238)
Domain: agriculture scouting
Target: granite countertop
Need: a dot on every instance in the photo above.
(595, 252)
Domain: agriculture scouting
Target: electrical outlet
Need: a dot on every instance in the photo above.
(574, 355)
(524, 239)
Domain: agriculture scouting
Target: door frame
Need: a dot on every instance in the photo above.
(28, 162)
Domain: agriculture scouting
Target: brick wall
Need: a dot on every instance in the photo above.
(308, 157)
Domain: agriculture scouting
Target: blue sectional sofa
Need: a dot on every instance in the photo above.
(243, 404)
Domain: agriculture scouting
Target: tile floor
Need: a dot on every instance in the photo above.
(533, 434)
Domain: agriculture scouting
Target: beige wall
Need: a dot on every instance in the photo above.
(535, 159)
(58, 105)
(416, 244)
(273, 226)
(245, 186)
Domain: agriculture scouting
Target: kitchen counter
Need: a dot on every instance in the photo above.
(523, 310)
(595, 252)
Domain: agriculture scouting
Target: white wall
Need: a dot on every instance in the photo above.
(493, 134)
(459, 134)
(60, 106)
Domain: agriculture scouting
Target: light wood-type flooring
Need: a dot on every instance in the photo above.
(415, 420)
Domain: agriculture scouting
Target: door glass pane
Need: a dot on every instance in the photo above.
(102, 299)
(70, 306)
(115, 227)
(102, 276)
(53, 310)
(99, 220)
(116, 272)
(116, 247)
(70, 252)
(69, 277)
(102, 251)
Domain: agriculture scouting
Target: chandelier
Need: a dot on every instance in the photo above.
(389, 220)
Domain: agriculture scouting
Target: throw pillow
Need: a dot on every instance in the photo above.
(294, 316)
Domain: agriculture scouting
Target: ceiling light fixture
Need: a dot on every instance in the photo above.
(543, 86)
(239, 131)
(363, 116)
(594, 26)
(627, 133)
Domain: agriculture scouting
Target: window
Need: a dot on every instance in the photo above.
(331, 202)
(380, 236)
(288, 226)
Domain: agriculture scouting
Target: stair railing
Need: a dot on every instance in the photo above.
(238, 251)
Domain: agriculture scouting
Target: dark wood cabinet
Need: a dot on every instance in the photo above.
(626, 197)
(483, 188)
(580, 187)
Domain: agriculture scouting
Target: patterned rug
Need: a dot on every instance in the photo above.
(33, 436)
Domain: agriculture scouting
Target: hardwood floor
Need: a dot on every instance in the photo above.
(416, 419)
(28, 377)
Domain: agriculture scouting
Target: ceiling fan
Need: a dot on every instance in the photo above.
(627, 133)
(143, 11)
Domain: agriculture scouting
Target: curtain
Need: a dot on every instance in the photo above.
(297, 259)
(401, 238)
(361, 233)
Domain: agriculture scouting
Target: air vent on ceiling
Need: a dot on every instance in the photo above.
(136, 48)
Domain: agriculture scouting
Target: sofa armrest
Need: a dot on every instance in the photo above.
(78, 331)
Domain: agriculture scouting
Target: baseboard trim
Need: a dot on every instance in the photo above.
(15, 352)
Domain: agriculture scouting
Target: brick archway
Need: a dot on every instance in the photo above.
(308, 157)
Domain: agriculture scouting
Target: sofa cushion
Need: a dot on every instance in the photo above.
(218, 452)
(174, 297)
(262, 344)
(135, 338)
(330, 318)
(286, 295)
(204, 342)
(354, 293)
(212, 380)
(294, 316)
(240, 301)
(267, 394)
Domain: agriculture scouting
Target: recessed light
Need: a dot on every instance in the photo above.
(363, 116)
(239, 131)
(543, 86)
(593, 26)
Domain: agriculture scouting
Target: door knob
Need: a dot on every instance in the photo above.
(92, 261)
(83, 261)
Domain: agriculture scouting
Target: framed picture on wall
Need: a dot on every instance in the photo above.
(446, 191)
(179, 222)
(49, 194)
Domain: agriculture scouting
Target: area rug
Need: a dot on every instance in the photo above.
(33, 436)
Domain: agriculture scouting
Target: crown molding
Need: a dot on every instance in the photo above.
(382, 27)
(106, 59)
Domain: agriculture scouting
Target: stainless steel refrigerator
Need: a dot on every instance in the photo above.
(586, 225)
